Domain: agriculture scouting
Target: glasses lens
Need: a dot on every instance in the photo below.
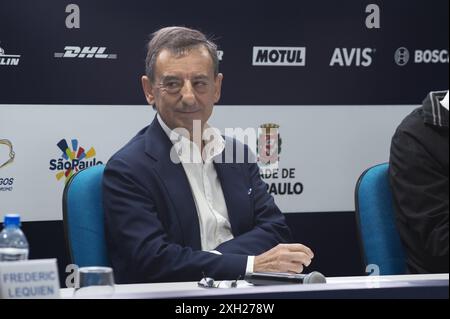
(174, 85)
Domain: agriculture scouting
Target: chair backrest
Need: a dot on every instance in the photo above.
(379, 238)
(83, 218)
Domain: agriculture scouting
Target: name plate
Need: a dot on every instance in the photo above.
(35, 279)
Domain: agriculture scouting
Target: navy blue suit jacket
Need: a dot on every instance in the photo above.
(152, 228)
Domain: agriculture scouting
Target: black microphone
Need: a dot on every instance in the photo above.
(278, 278)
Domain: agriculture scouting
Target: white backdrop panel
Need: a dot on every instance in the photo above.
(327, 148)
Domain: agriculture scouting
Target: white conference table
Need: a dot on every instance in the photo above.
(398, 286)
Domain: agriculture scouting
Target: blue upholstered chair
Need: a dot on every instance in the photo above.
(83, 218)
(380, 241)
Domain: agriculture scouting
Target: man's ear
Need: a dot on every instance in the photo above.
(218, 87)
(147, 87)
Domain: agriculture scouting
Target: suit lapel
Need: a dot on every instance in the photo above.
(175, 182)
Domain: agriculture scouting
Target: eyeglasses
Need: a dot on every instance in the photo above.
(208, 282)
(173, 85)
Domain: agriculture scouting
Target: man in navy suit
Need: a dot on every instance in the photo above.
(175, 206)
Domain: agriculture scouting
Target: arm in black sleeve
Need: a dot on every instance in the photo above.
(420, 191)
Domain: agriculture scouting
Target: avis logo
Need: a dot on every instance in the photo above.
(279, 56)
(85, 52)
(352, 57)
(268, 145)
(8, 59)
(72, 159)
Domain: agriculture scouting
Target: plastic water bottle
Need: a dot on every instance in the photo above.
(13, 243)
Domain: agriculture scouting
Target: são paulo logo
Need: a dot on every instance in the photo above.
(73, 158)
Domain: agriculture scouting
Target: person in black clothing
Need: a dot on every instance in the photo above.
(419, 179)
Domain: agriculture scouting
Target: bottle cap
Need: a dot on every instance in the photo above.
(12, 220)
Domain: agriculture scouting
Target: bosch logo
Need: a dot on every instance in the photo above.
(401, 56)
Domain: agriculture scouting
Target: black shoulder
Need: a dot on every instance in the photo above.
(132, 150)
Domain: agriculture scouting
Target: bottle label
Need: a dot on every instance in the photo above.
(13, 254)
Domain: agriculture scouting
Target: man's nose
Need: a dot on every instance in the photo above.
(187, 93)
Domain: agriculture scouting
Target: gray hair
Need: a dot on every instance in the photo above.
(178, 40)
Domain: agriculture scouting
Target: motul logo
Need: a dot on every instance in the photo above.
(85, 52)
(279, 56)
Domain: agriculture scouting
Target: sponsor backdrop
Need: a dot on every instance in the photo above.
(313, 163)
(332, 79)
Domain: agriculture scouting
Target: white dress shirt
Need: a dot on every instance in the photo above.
(205, 185)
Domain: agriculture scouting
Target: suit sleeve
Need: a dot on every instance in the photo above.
(420, 191)
(139, 247)
(270, 226)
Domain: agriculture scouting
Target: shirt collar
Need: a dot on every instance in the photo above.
(214, 143)
(434, 112)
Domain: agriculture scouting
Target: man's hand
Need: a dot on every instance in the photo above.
(284, 258)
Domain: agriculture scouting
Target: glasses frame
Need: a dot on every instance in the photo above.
(174, 91)
(208, 282)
